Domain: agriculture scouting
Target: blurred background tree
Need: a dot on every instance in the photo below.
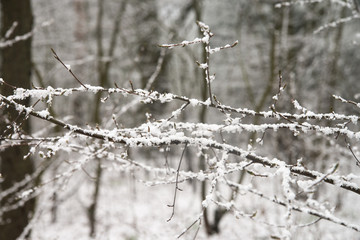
(116, 41)
(15, 67)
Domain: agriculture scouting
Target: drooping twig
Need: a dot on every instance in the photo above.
(176, 184)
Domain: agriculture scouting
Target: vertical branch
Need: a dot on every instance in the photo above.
(198, 14)
(93, 206)
(206, 42)
(334, 66)
(114, 36)
(100, 54)
(103, 75)
(80, 35)
(270, 82)
(96, 116)
(177, 184)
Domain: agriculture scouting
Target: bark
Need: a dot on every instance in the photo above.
(16, 70)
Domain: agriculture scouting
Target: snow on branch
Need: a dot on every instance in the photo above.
(218, 143)
(152, 136)
(6, 42)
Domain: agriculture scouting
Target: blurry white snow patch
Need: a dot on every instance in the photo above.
(68, 66)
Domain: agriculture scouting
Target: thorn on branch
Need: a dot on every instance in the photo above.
(217, 101)
(115, 122)
(132, 86)
(34, 87)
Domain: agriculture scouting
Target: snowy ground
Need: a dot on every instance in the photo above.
(129, 209)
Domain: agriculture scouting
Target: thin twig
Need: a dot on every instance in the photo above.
(175, 113)
(214, 50)
(177, 184)
(188, 228)
(6, 84)
(318, 181)
(17, 118)
(350, 148)
(325, 216)
(280, 89)
(346, 101)
(67, 68)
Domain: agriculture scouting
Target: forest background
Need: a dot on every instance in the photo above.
(161, 119)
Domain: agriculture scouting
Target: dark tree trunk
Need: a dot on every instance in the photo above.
(16, 70)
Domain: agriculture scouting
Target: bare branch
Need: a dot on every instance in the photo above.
(67, 67)
(176, 184)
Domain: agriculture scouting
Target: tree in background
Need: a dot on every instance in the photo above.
(133, 122)
(16, 20)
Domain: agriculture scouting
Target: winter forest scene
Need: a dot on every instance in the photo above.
(179, 119)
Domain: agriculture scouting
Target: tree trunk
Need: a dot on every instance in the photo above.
(16, 70)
